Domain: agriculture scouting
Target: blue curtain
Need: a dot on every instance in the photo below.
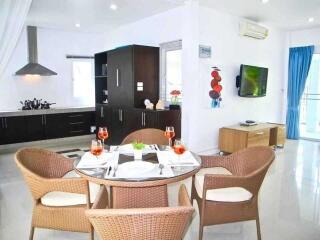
(299, 65)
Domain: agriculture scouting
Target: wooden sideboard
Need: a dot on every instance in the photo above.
(234, 138)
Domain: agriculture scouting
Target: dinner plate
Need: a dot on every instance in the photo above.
(136, 167)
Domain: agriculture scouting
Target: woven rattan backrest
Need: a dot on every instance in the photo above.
(142, 224)
(148, 136)
(254, 159)
(42, 162)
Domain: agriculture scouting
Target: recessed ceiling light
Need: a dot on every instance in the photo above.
(311, 19)
(77, 25)
(113, 6)
(264, 1)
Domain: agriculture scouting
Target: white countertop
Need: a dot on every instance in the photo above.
(12, 113)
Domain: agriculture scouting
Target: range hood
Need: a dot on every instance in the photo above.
(33, 67)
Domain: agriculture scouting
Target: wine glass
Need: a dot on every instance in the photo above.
(103, 135)
(169, 133)
(178, 148)
(96, 148)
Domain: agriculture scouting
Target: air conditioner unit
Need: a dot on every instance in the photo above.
(253, 30)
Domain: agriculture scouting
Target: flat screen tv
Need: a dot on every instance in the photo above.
(253, 81)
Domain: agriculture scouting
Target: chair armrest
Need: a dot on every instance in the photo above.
(184, 199)
(102, 200)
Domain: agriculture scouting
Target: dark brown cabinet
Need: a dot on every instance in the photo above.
(34, 125)
(133, 76)
(39, 127)
(12, 130)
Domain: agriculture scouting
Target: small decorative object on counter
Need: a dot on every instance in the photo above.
(137, 149)
(215, 93)
(160, 105)
(174, 100)
(148, 104)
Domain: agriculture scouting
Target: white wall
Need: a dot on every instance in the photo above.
(229, 51)
(199, 25)
(304, 37)
(53, 46)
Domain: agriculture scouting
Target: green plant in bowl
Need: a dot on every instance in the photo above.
(138, 145)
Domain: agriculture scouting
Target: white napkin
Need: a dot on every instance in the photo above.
(154, 173)
(128, 148)
(90, 161)
(172, 159)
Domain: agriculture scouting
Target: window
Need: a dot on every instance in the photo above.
(310, 102)
(82, 75)
(171, 69)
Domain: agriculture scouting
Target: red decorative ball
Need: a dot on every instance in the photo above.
(217, 88)
(214, 83)
(214, 74)
(218, 78)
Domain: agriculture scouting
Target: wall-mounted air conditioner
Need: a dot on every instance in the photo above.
(253, 30)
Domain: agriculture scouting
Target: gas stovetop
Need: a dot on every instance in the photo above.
(35, 104)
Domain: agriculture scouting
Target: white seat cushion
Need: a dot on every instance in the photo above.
(60, 199)
(231, 194)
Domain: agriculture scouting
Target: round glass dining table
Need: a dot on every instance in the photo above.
(142, 191)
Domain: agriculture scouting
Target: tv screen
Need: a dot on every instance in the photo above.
(253, 81)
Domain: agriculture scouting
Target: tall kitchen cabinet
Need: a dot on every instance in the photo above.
(132, 77)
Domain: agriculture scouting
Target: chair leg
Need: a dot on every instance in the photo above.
(31, 233)
(92, 233)
(258, 228)
(200, 232)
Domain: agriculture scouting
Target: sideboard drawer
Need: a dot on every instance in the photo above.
(258, 138)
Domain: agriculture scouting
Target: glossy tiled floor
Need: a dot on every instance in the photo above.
(289, 201)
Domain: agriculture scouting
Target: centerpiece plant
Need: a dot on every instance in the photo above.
(137, 149)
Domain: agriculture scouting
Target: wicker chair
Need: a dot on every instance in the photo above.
(168, 223)
(148, 136)
(43, 171)
(141, 197)
(227, 187)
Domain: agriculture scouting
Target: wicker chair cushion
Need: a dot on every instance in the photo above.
(232, 194)
(60, 199)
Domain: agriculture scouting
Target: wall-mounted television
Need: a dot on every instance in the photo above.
(252, 81)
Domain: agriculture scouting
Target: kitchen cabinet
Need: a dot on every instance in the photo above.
(133, 76)
(2, 131)
(12, 130)
(46, 126)
(34, 127)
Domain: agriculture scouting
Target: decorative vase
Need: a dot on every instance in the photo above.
(174, 107)
(137, 154)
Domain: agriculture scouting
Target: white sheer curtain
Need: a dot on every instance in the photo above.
(13, 14)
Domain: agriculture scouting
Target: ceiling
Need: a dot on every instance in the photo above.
(94, 15)
(286, 14)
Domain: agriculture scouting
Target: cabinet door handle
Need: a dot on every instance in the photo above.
(101, 112)
(121, 115)
(5, 120)
(74, 116)
(118, 77)
(142, 119)
(259, 133)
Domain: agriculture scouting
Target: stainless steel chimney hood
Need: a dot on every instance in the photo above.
(33, 67)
